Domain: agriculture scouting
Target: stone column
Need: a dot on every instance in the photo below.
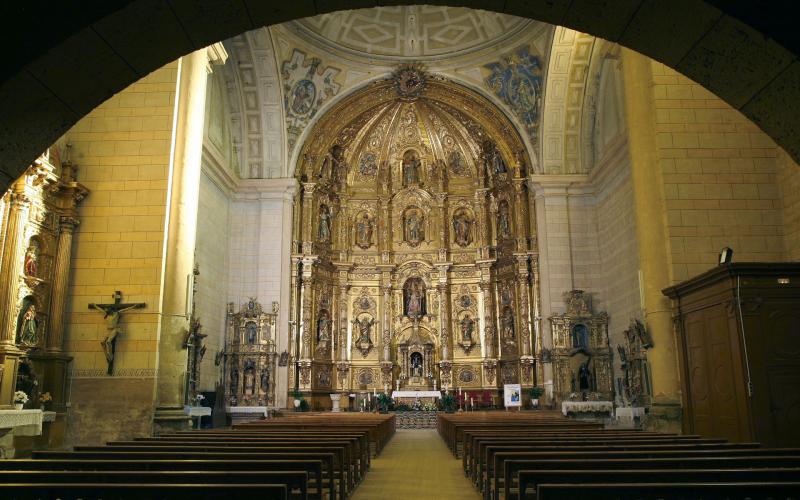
(18, 205)
(180, 233)
(58, 299)
(651, 232)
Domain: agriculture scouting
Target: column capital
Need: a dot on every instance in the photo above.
(216, 55)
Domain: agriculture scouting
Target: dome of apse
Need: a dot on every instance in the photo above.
(421, 32)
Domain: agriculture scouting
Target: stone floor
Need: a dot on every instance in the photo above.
(416, 464)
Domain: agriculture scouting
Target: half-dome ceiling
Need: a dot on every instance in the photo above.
(418, 32)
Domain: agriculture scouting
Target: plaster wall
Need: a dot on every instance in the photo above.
(789, 182)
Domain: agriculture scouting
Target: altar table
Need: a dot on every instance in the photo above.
(587, 407)
(408, 397)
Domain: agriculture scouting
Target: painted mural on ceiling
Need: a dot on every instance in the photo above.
(307, 85)
(517, 81)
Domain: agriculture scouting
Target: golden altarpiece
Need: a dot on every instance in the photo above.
(38, 215)
(414, 244)
(581, 354)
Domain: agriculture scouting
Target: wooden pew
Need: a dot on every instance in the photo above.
(674, 491)
(97, 491)
(533, 478)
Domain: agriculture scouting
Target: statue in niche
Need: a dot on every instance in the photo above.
(505, 295)
(324, 234)
(364, 231)
(323, 327)
(455, 163)
(493, 161)
(414, 298)
(414, 231)
(31, 265)
(249, 379)
(584, 377)
(364, 326)
(234, 378)
(467, 328)
(411, 168)
(507, 325)
(462, 227)
(251, 330)
(580, 336)
(337, 163)
(416, 364)
(265, 380)
(504, 220)
(27, 323)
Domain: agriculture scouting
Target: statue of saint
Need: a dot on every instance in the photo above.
(364, 231)
(508, 325)
(467, 327)
(504, 224)
(265, 380)
(364, 326)
(26, 333)
(31, 259)
(323, 327)
(414, 294)
(497, 162)
(584, 377)
(252, 332)
(462, 227)
(414, 231)
(249, 381)
(411, 166)
(324, 234)
(234, 379)
(416, 365)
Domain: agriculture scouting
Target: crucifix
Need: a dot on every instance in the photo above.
(111, 314)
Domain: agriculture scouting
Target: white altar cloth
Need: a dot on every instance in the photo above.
(197, 411)
(587, 406)
(629, 412)
(24, 422)
(416, 394)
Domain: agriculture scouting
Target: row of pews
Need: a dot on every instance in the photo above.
(545, 456)
(303, 456)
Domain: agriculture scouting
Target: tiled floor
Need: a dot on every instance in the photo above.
(416, 464)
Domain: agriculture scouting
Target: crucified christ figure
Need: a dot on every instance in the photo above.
(111, 315)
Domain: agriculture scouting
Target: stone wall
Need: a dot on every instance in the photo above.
(789, 182)
(720, 178)
(122, 151)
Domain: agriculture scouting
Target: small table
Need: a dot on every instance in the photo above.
(629, 412)
(242, 414)
(199, 412)
(587, 407)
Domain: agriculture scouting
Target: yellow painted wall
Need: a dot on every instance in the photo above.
(121, 150)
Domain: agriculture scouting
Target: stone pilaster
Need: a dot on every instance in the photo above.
(180, 235)
(651, 233)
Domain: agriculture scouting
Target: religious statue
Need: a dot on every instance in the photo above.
(265, 380)
(580, 336)
(364, 326)
(32, 259)
(323, 327)
(324, 233)
(504, 223)
(411, 167)
(337, 156)
(507, 325)
(493, 161)
(111, 314)
(467, 327)
(252, 332)
(27, 324)
(414, 298)
(414, 233)
(584, 377)
(462, 227)
(234, 378)
(416, 364)
(249, 379)
(364, 231)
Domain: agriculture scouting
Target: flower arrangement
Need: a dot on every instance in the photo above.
(449, 402)
(384, 401)
(20, 397)
(198, 400)
(430, 407)
(45, 397)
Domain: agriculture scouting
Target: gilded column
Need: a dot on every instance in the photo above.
(536, 313)
(18, 206)
(651, 232)
(524, 304)
(180, 233)
(58, 299)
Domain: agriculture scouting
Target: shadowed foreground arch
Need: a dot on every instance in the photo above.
(66, 60)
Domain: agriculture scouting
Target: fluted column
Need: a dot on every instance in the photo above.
(180, 234)
(58, 299)
(18, 207)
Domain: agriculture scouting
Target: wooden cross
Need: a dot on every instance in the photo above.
(111, 313)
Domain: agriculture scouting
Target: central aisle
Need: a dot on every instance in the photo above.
(416, 464)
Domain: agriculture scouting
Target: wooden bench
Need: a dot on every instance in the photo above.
(97, 491)
(674, 491)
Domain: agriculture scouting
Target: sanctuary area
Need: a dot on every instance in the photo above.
(332, 232)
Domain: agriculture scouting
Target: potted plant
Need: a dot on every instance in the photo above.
(383, 402)
(449, 403)
(20, 398)
(45, 399)
(536, 393)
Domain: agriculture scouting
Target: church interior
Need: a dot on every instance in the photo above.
(322, 233)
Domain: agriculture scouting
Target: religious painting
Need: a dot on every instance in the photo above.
(465, 301)
(413, 226)
(27, 323)
(364, 229)
(503, 220)
(414, 303)
(409, 80)
(324, 326)
(365, 377)
(462, 227)
(517, 80)
(411, 168)
(31, 264)
(368, 165)
(324, 231)
(457, 164)
(303, 95)
(466, 376)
